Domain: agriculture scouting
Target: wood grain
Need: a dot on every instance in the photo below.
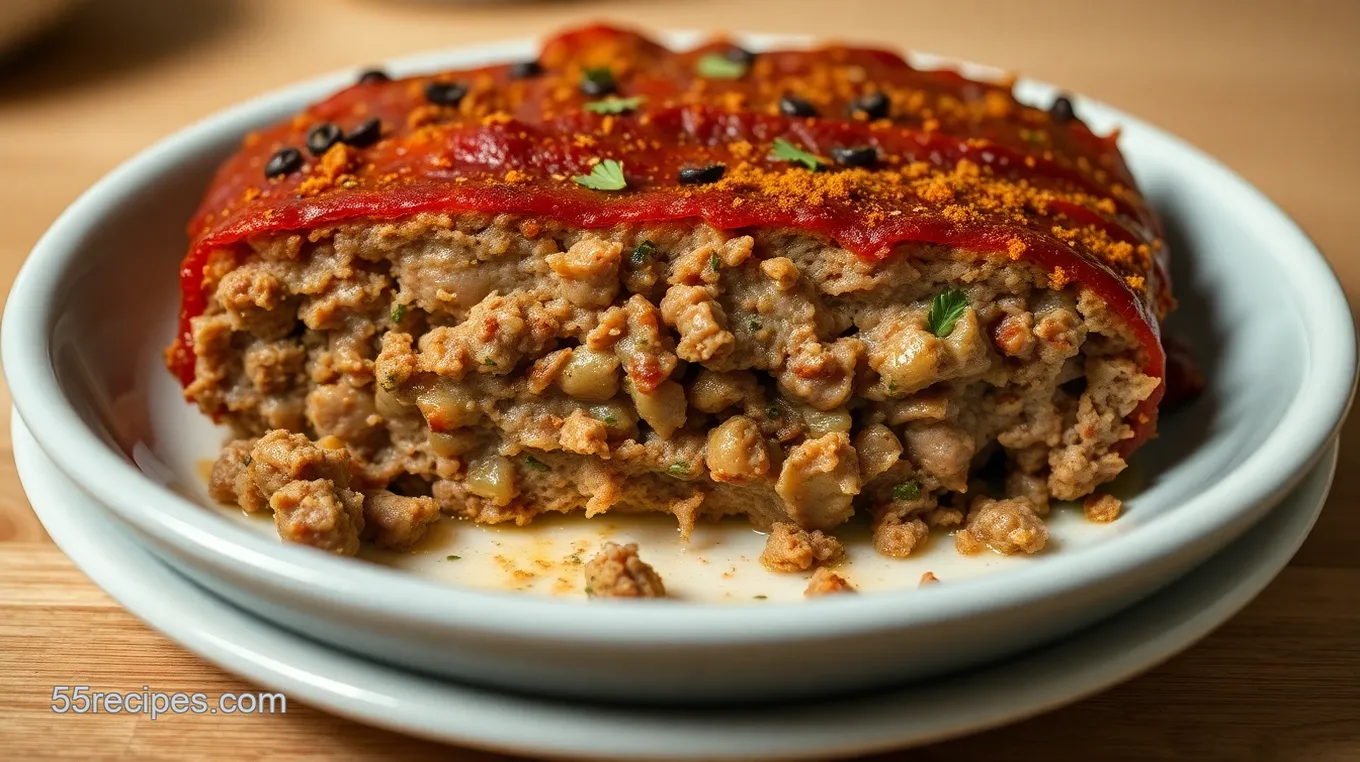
(1273, 89)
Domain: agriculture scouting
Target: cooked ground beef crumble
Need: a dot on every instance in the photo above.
(618, 572)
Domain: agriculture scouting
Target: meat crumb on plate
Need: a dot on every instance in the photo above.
(1101, 508)
(1006, 526)
(617, 572)
(791, 549)
(826, 582)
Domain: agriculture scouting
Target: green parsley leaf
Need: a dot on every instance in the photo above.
(945, 310)
(453, 558)
(488, 361)
(771, 411)
(605, 176)
(786, 151)
(535, 463)
(892, 386)
(642, 252)
(398, 312)
(753, 324)
(908, 490)
(714, 263)
(600, 76)
(389, 382)
(590, 591)
(719, 66)
(613, 105)
(679, 468)
(761, 597)
(609, 420)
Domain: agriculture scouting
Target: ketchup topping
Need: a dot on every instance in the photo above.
(901, 155)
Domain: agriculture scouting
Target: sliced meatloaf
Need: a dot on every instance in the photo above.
(792, 286)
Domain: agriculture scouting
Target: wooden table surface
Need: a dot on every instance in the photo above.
(1271, 88)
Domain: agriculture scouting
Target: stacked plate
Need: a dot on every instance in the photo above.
(1214, 508)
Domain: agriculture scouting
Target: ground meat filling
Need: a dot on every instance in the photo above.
(617, 572)
(306, 486)
(397, 522)
(511, 368)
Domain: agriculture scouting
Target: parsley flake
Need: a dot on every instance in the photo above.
(718, 66)
(908, 490)
(398, 312)
(786, 151)
(535, 463)
(753, 324)
(714, 263)
(945, 310)
(598, 81)
(679, 468)
(642, 252)
(761, 597)
(614, 105)
(488, 361)
(771, 411)
(605, 176)
(609, 420)
(453, 558)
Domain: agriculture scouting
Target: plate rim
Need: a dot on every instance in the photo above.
(1229, 505)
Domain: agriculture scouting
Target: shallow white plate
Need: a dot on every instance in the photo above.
(1090, 661)
(96, 301)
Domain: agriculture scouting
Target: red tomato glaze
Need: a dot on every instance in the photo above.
(959, 163)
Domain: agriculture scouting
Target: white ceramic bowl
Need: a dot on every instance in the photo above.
(98, 296)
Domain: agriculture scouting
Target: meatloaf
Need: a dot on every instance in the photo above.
(792, 285)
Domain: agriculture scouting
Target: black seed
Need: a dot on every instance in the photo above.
(445, 93)
(739, 55)
(858, 156)
(284, 161)
(872, 105)
(791, 106)
(598, 82)
(321, 137)
(373, 75)
(702, 175)
(1061, 110)
(366, 134)
(525, 69)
